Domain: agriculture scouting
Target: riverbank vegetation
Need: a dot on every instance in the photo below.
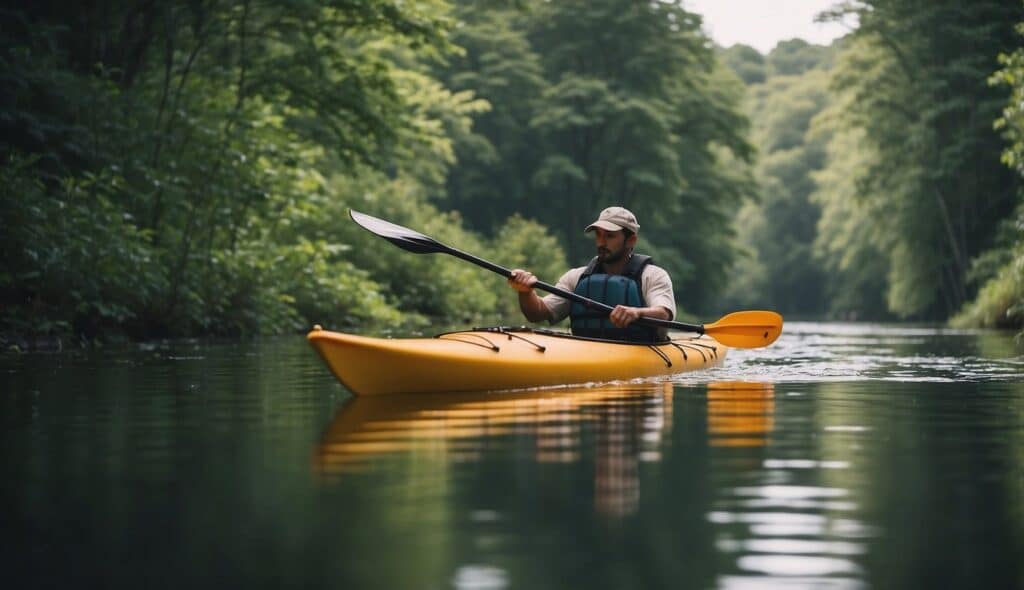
(186, 168)
(883, 191)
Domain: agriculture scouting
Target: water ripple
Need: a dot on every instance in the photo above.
(809, 352)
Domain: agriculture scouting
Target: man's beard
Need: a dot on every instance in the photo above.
(609, 257)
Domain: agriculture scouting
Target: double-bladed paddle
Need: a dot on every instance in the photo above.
(741, 329)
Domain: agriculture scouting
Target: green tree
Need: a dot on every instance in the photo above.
(796, 56)
(914, 80)
(848, 244)
(747, 62)
(184, 167)
(499, 64)
(1000, 300)
(600, 103)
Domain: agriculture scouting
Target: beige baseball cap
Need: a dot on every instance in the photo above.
(615, 219)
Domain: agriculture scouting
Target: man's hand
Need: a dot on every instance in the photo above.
(522, 280)
(623, 316)
(533, 307)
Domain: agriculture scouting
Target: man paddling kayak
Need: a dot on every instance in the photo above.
(616, 276)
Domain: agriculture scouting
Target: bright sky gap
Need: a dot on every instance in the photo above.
(762, 24)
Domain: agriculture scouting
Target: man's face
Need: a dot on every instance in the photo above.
(612, 246)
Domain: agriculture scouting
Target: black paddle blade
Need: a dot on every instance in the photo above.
(403, 237)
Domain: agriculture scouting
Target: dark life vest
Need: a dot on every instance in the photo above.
(625, 289)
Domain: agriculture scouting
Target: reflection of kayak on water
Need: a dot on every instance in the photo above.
(619, 426)
(494, 359)
(369, 427)
(445, 424)
(740, 414)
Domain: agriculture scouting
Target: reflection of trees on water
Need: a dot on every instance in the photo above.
(620, 426)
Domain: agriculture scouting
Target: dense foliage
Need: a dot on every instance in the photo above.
(1000, 302)
(605, 102)
(913, 84)
(160, 157)
(187, 167)
(882, 190)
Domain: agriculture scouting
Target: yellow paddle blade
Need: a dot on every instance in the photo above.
(746, 329)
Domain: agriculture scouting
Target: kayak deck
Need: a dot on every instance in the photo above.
(491, 359)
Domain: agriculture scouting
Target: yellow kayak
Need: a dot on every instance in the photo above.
(493, 359)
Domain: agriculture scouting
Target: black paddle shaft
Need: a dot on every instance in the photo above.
(414, 241)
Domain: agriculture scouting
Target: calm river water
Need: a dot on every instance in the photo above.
(844, 456)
